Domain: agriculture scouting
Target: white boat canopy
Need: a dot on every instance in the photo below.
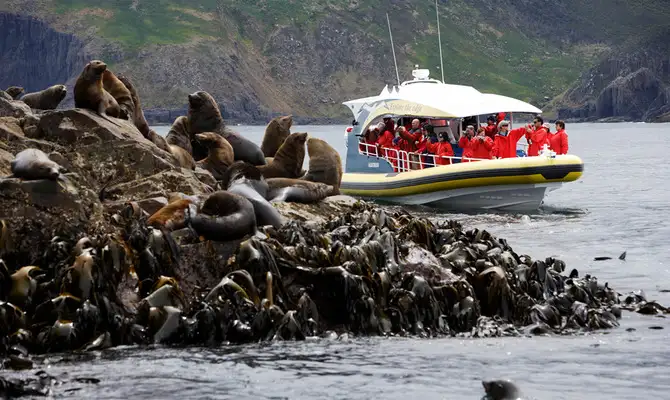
(423, 97)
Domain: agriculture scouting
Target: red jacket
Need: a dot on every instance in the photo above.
(491, 131)
(505, 146)
(386, 139)
(481, 149)
(440, 149)
(559, 142)
(414, 139)
(466, 144)
(538, 138)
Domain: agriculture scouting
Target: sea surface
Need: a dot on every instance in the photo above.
(622, 203)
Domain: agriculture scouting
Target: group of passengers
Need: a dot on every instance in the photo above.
(418, 146)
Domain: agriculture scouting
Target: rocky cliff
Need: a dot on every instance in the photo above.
(262, 58)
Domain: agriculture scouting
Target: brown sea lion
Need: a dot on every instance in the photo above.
(204, 116)
(325, 164)
(47, 99)
(120, 93)
(33, 164)
(297, 190)
(138, 117)
(90, 94)
(224, 217)
(183, 157)
(287, 162)
(219, 154)
(171, 216)
(179, 135)
(275, 133)
(14, 91)
(24, 285)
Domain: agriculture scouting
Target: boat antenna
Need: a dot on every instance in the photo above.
(439, 39)
(397, 76)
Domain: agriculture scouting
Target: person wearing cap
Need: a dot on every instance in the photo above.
(504, 145)
(491, 127)
(559, 141)
(466, 143)
(537, 136)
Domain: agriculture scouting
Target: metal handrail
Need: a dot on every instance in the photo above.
(403, 161)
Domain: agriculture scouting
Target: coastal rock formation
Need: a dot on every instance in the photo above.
(631, 84)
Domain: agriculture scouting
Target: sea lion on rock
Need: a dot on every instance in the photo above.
(115, 87)
(275, 134)
(287, 163)
(90, 94)
(179, 135)
(224, 217)
(138, 117)
(183, 157)
(14, 91)
(33, 164)
(47, 99)
(219, 154)
(171, 216)
(325, 164)
(297, 190)
(255, 191)
(204, 116)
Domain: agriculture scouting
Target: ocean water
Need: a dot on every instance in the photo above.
(621, 203)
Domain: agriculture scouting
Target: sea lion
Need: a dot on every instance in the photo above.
(33, 164)
(500, 390)
(90, 94)
(297, 190)
(179, 135)
(171, 216)
(47, 99)
(183, 157)
(115, 87)
(14, 91)
(287, 162)
(275, 134)
(325, 164)
(219, 154)
(255, 191)
(223, 217)
(242, 169)
(204, 116)
(138, 116)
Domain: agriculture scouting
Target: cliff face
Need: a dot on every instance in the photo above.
(261, 58)
(630, 84)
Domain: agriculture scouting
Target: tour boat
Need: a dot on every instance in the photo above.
(512, 184)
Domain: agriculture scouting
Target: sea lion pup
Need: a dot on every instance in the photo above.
(138, 116)
(179, 135)
(325, 164)
(287, 163)
(90, 94)
(219, 154)
(500, 390)
(183, 157)
(297, 190)
(14, 91)
(224, 217)
(275, 133)
(33, 164)
(115, 87)
(204, 116)
(47, 99)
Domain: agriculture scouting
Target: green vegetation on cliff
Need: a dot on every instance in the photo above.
(308, 56)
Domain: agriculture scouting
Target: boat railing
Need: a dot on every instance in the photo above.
(403, 161)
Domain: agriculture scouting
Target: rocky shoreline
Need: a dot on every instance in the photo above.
(83, 270)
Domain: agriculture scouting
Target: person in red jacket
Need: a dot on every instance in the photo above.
(504, 145)
(481, 145)
(440, 148)
(559, 140)
(537, 136)
(491, 127)
(413, 142)
(386, 146)
(465, 143)
(369, 141)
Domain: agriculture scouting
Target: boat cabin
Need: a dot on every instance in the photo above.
(447, 108)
